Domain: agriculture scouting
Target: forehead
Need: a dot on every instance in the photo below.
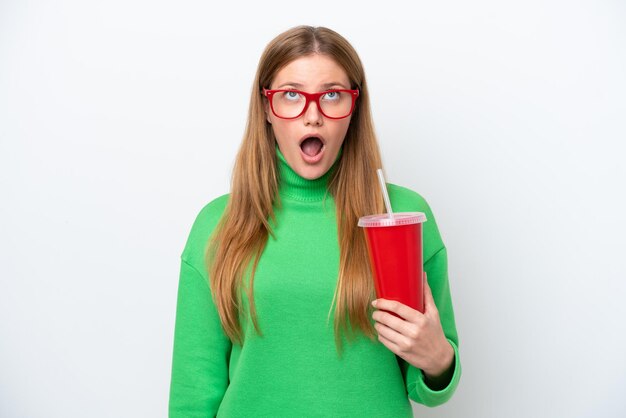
(312, 71)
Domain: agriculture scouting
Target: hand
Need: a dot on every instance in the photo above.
(418, 338)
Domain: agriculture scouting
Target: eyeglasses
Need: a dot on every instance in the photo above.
(291, 104)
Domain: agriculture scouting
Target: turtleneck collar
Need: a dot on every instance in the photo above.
(292, 185)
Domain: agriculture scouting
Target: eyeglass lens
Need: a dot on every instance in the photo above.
(335, 104)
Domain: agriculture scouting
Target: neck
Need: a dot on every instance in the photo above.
(294, 186)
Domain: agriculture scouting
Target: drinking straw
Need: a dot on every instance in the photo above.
(383, 186)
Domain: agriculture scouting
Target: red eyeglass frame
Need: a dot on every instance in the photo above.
(311, 97)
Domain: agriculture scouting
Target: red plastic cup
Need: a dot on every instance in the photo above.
(395, 251)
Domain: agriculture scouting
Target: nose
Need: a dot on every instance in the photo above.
(312, 115)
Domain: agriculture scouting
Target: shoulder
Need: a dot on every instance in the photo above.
(211, 213)
(205, 222)
(404, 199)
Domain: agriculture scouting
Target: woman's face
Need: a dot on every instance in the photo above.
(312, 73)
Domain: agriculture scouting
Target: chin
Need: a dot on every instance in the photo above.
(312, 173)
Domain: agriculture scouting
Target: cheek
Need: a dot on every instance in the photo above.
(282, 130)
(342, 129)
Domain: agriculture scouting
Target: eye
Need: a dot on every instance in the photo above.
(291, 95)
(331, 95)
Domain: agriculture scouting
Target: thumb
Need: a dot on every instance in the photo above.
(429, 301)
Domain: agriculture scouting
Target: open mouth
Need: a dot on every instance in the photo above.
(312, 146)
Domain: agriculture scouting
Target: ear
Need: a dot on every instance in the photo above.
(266, 108)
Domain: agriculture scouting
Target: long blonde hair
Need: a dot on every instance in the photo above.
(243, 230)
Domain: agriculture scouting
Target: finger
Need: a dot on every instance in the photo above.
(400, 326)
(393, 347)
(391, 335)
(399, 308)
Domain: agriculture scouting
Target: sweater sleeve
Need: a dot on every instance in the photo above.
(437, 271)
(201, 350)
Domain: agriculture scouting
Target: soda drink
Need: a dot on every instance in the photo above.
(395, 251)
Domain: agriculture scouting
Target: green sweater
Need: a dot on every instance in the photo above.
(294, 369)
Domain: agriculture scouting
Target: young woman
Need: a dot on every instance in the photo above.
(275, 315)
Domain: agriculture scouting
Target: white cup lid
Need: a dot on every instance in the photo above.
(399, 218)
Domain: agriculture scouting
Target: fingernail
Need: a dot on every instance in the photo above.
(374, 303)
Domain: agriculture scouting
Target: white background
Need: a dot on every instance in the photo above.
(119, 120)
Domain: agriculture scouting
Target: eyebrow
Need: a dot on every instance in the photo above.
(325, 86)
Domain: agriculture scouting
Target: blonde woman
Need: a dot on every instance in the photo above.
(275, 315)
